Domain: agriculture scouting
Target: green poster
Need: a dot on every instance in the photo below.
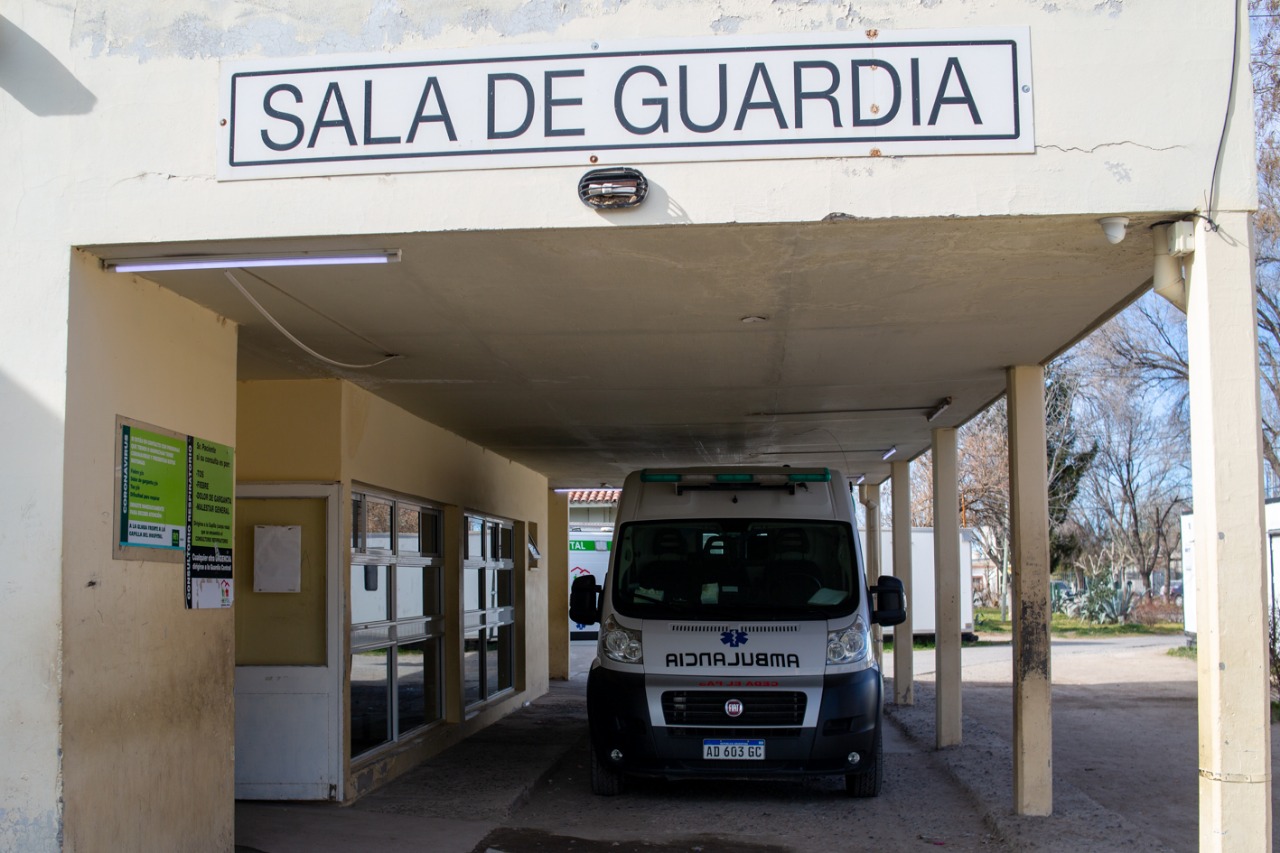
(212, 494)
(212, 497)
(153, 511)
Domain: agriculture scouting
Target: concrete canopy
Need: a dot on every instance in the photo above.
(588, 353)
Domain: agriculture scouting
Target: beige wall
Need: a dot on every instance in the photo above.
(282, 629)
(147, 691)
(330, 430)
(289, 431)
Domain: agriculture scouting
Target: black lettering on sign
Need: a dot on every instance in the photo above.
(965, 98)
(548, 83)
(760, 73)
(858, 120)
(827, 94)
(369, 138)
(684, 101)
(442, 116)
(661, 122)
(333, 93)
(292, 119)
(494, 79)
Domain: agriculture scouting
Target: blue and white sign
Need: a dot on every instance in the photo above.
(873, 93)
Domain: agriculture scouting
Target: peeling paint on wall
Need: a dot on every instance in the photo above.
(18, 831)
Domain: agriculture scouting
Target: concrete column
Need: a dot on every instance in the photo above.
(556, 563)
(1231, 582)
(1029, 531)
(870, 497)
(903, 664)
(946, 584)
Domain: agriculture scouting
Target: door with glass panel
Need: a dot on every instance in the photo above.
(396, 625)
(488, 623)
(289, 667)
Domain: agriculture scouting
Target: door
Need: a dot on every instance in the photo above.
(288, 666)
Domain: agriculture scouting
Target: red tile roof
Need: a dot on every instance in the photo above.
(590, 496)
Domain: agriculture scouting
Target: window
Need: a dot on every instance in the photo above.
(488, 586)
(397, 619)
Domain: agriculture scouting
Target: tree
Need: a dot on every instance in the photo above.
(1137, 484)
(1148, 341)
(983, 451)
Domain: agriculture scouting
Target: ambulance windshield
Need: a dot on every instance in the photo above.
(735, 567)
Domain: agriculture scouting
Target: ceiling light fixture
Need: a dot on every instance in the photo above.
(862, 478)
(888, 453)
(937, 410)
(229, 262)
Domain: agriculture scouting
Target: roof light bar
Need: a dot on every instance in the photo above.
(691, 478)
(224, 262)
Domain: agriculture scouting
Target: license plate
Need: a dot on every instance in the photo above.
(715, 748)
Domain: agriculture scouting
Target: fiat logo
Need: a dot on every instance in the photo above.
(733, 708)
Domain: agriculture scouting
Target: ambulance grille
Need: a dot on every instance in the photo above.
(720, 629)
(706, 708)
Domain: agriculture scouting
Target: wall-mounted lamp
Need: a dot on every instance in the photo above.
(889, 453)
(937, 410)
(1114, 227)
(231, 262)
(618, 187)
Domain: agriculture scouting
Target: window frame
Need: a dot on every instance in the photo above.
(394, 631)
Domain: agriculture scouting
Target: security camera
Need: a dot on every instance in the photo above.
(1114, 227)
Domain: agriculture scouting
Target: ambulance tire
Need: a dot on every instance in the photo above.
(605, 781)
(868, 781)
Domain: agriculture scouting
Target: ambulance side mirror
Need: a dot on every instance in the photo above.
(584, 600)
(890, 601)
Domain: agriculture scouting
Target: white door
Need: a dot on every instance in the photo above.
(289, 668)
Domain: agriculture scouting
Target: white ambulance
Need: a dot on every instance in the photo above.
(735, 631)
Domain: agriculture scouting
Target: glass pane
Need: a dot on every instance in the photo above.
(491, 662)
(418, 684)
(505, 581)
(370, 700)
(410, 599)
(495, 547)
(475, 538)
(490, 589)
(473, 589)
(430, 532)
(471, 668)
(508, 551)
(368, 594)
(378, 523)
(506, 657)
(431, 596)
(357, 522)
(407, 525)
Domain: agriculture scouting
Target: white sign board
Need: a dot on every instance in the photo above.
(878, 93)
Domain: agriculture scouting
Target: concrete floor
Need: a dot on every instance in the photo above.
(1125, 778)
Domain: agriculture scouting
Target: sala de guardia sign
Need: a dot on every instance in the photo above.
(726, 98)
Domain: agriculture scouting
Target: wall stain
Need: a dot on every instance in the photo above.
(1033, 660)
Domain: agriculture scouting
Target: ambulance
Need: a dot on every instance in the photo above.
(735, 631)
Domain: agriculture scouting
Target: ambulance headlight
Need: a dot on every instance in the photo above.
(849, 645)
(621, 644)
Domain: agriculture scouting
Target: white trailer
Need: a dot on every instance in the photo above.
(922, 601)
(588, 555)
(1271, 548)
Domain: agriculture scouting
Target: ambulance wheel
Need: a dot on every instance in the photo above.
(867, 781)
(605, 781)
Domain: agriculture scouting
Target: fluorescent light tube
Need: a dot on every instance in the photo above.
(889, 452)
(224, 262)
